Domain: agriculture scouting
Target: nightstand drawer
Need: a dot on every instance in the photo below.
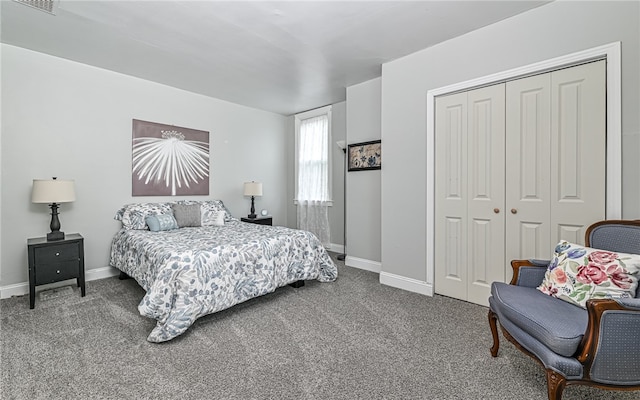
(56, 254)
(55, 272)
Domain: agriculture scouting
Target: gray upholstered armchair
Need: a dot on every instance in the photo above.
(597, 346)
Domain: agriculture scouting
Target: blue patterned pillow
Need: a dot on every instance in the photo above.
(161, 222)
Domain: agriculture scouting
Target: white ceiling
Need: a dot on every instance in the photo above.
(283, 57)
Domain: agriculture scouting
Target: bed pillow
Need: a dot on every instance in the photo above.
(161, 222)
(577, 274)
(211, 218)
(187, 214)
(221, 207)
(133, 215)
(210, 206)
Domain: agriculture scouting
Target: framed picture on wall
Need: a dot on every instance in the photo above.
(169, 160)
(365, 156)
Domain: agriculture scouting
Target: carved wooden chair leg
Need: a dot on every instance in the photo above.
(493, 318)
(555, 385)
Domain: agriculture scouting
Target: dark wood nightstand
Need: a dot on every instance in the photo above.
(55, 261)
(258, 220)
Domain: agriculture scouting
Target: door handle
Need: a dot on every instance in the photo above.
(496, 210)
(514, 211)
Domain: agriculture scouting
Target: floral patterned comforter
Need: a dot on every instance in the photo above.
(191, 272)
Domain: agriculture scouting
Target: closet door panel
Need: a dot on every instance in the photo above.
(578, 150)
(485, 150)
(527, 168)
(570, 233)
(451, 196)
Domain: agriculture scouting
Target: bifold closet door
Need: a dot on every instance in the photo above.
(578, 150)
(528, 169)
(486, 190)
(451, 207)
(470, 193)
(519, 166)
(556, 159)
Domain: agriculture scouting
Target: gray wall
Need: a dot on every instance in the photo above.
(61, 118)
(364, 187)
(553, 30)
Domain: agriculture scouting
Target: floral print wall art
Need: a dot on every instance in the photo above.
(364, 156)
(169, 160)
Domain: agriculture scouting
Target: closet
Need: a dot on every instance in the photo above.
(519, 166)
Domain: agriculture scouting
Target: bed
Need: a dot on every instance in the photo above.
(201, 267)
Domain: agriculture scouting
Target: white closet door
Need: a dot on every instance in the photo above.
(578, 150)
(486, 191)
(470, 193)
(528, 169)
(519, 166)
(451, 196)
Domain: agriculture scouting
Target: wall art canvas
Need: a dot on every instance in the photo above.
(365, 156)
(169, 160)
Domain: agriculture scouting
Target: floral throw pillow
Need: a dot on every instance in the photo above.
(577, 274)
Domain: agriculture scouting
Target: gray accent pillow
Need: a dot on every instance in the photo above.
(186, 214)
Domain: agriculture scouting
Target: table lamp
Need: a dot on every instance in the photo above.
(53, 191)
(252, 189)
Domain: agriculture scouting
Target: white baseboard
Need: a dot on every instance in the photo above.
(20, 289)
(336, 248)
(373, 266)
(409, 284)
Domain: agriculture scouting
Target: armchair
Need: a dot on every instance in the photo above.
(596, 346)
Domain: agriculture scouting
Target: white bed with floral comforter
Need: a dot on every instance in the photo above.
(191, 272)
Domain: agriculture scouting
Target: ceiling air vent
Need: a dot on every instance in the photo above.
(48, 6)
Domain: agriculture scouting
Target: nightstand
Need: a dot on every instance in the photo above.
(55, 261)
(258, 220)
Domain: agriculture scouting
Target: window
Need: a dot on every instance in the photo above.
(313, 155)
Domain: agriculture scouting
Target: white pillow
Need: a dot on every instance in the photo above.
(212, 218)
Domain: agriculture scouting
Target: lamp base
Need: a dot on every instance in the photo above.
(53, 236)
(252, 216)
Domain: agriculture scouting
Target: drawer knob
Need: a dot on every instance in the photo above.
(58, 271)
(57, 254)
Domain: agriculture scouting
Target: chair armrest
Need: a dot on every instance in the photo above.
(528, 273)
(604, 319)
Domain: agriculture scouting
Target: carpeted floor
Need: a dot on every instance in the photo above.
(350, 339)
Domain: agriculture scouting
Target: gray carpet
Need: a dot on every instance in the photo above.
(350, 339)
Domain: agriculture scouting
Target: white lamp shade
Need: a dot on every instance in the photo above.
(53, 191)
(253, 189)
